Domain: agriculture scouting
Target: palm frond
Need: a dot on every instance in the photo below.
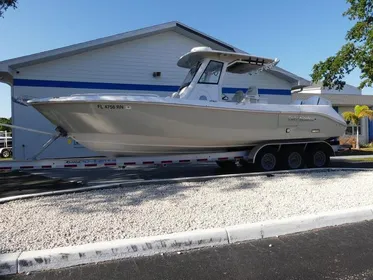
(366, 113)
(351, 116)
(359, 108)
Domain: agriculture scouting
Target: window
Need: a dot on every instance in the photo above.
(351, 129)
(212, 73)
(189, 77)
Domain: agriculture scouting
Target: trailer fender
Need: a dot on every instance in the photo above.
(253, 153)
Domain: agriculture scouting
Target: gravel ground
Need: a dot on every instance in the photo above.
(73, 219)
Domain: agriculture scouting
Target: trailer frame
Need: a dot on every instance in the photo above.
(224, 159)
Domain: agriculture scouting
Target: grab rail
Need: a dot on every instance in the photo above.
(123, 94)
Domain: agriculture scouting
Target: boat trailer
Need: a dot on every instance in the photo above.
(265, 156)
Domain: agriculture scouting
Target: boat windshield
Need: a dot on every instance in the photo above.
(188, 79)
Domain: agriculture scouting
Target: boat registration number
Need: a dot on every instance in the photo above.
(113, 107)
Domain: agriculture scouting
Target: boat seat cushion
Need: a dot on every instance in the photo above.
(238, 96)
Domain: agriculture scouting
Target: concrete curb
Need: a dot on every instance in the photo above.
(9, 263)
(173, 180)
(352, 157)
(130, 248)
(119, 249)
(274, 228)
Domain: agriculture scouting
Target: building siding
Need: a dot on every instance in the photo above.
(131, 62)
(134, 62)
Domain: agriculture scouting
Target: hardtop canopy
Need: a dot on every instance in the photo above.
(237, 62)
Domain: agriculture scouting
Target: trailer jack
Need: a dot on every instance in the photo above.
(60, 133)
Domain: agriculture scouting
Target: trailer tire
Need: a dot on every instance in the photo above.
(267, 159)
(226, 164)
(318, 157)
(292, 158)
(5, 153)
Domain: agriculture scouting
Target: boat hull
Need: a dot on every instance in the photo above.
(150, 128)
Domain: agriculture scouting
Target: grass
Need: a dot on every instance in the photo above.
(368, 150)
(362, 159)
(355, 152)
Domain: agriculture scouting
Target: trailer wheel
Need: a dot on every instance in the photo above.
(267, 159)
(293, 158)
(226, 164)
(5, 153)
(318, 157)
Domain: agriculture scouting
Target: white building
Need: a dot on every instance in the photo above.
(143, 60)
(343, 101)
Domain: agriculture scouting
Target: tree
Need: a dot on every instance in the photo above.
(6, 4)
(5, 121)
(355, 117)
(355, 54)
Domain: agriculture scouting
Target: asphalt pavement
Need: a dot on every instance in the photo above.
(107, 175)
(130, 173)
(343, 252)
(20, 183)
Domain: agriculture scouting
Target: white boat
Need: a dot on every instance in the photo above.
(196, 118)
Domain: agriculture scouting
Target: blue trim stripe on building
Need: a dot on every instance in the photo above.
(370, 130)
(91, 85)
(134, 87)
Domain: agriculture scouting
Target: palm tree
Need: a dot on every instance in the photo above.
(360, 111)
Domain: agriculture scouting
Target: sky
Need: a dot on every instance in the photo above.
(298, 32)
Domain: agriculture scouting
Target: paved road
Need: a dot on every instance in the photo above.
(343, 252)
(17, 185)
(106, 175)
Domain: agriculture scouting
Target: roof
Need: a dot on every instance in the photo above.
(319, 88)
(7, 65)
(290, 77)
(339, 99)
